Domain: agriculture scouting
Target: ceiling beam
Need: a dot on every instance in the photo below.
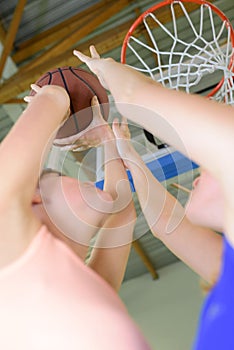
(72, 38)
(15, 101)
(51, 36)
(104, 43)
(51, 40)
(2, 33)
(21, 81)
(11, 34)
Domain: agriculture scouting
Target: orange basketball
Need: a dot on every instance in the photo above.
(81, 86)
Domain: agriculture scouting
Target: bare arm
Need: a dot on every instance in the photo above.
(110, 254)
(198, 247)
(21, 154)
(190, 116)
(191, 123)
(22, 151)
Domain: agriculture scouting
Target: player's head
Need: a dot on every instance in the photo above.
(206, 203)
(77, 209)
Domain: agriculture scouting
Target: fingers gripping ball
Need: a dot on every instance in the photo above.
(81, 86)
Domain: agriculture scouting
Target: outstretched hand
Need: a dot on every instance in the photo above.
(94, 62)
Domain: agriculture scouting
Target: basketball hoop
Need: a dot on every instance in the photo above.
(184, 45)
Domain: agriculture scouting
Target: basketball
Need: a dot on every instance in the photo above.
(81, 86)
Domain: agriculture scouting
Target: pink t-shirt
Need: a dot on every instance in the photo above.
(49, 299)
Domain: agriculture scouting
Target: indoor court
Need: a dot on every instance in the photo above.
(185, 45)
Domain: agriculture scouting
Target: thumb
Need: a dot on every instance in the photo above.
(95, 107)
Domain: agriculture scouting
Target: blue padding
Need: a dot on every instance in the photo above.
(164, 168)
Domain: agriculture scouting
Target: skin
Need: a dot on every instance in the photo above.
(18, 190)
(170, 122)
(195, 244)
(73, 211)
(205, 206)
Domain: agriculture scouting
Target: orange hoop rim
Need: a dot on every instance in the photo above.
(153, 8)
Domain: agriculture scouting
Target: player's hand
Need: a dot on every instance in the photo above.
(94, 135)
(35, 88)
(47, 88)
(94, 62)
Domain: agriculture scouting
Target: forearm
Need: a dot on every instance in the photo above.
(198, 247)
(27, 142)
(110, 255)
(192, 124)
(160, 208)
(182, 120)
(116, 180)
(115, 175)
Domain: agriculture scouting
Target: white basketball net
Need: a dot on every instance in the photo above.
(199, 46)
